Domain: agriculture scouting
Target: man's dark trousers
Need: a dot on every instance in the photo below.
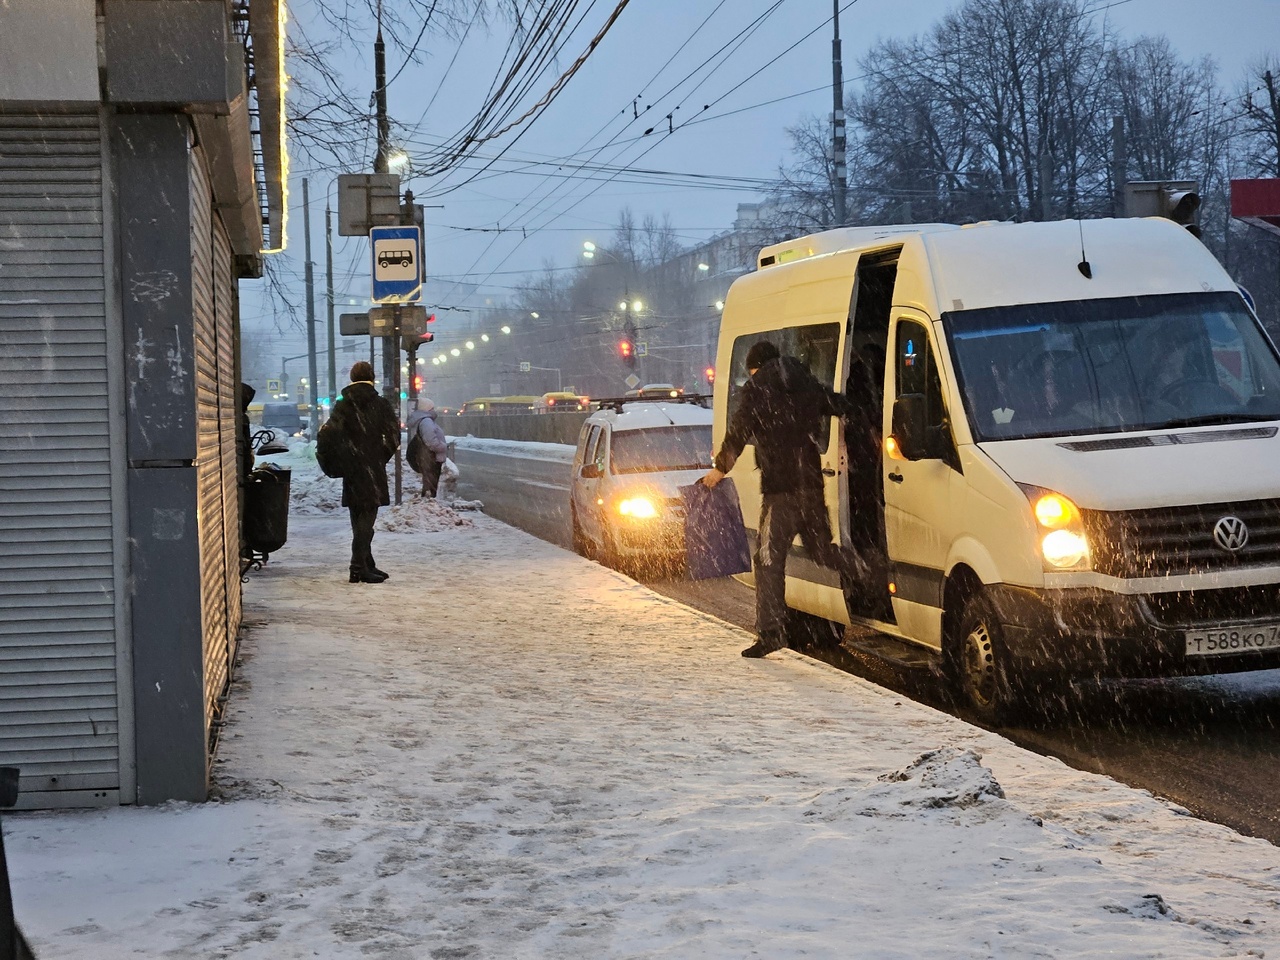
(362, 519)
(782, 516)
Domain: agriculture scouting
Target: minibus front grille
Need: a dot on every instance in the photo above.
(1185, 608)
(1179, 540)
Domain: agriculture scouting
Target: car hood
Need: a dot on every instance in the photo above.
(664, 485)
(1162, 468)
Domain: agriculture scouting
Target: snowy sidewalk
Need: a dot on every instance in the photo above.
(510, 752)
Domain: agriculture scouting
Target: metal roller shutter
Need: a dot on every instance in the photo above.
(225, 308)
(59, 711)
(213, 572)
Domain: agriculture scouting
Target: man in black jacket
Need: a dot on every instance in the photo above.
(370, 433)
(782, 412)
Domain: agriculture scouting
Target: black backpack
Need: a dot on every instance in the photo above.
(332, 450)
(416, 452)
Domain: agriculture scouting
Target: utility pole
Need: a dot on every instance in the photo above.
(839, 171)
(1119, 165)
(311, 314)
(328, 264)
(381, 164)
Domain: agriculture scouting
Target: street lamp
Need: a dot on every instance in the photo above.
(397, 160)
(704, 267)
(455, 352)
(506, 329)
(534, 314)
(484, 338)
(471, 344)
(719, 304)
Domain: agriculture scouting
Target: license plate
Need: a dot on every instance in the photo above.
(1206, 643)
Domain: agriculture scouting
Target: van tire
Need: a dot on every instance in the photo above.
(978, 662)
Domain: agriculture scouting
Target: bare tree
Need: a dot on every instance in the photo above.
(1260, 124)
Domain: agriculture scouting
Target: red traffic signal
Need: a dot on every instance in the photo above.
(710, 374)
(627, 350)
(417, 382)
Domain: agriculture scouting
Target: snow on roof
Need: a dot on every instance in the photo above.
(1001, 264)
(648, 415)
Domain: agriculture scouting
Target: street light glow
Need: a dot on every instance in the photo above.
(436, 361)
(484, 337)
(471, 344)
(704, 267)
(506, 329)
(588, 246)
(719, 304)
(622, 305)
(534, 314)
(455, 352)
(397, 160)
(637, 305)
(587, 254)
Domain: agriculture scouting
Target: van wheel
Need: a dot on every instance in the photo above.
(979, 665)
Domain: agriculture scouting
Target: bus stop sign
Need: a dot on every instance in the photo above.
(396, 264)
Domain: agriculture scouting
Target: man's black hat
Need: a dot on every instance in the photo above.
(760, 354)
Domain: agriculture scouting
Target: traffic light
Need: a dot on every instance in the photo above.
(1182, 204)
(1176, 200)
(710, 374)
(627, 350)
(417, 383)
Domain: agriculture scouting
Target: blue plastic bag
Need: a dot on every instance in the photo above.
(715, 537)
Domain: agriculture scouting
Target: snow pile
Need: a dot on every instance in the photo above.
(506, 751)
(418, 514)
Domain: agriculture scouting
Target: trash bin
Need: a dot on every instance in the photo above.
(266, 509)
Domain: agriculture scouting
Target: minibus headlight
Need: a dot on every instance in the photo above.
(1063, 544)
(1064, 548)
(1054, 511)
(638, 508)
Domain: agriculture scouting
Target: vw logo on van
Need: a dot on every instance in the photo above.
(1230, 533)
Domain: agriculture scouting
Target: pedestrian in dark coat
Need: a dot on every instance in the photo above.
(370, 432)
(782, 412)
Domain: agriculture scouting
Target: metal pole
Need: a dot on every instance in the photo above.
(328, 257)
(313, 387)
(838, 143)
(390, 347)
(1119, 166)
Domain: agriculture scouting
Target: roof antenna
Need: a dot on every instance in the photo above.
(1083, 266)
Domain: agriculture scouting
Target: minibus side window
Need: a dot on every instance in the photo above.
(917, 371)
(815, 345)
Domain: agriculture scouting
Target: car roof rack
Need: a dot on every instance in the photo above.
(615, 403)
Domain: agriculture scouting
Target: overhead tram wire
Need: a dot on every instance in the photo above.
(737, 39)
(663, 138)
(475, 138)
(528, 43)
(750, 27)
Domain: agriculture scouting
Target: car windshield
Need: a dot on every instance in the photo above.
(1101, 366)
(667, 448)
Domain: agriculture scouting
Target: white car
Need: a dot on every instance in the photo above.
(631, 459)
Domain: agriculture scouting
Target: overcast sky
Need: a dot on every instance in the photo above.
(556, 214)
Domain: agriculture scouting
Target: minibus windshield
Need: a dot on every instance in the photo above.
(667, 448)
(1104, 366)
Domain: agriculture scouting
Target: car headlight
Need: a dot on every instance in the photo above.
(1064, 546)
(638, 508)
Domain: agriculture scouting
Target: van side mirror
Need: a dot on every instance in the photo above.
(590, 472)
(910, 432)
